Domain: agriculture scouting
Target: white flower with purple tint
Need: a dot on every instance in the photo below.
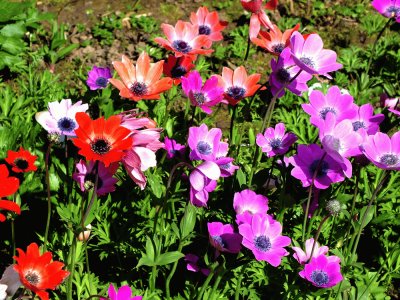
(98, 78)
(304, 256)
(275, 141)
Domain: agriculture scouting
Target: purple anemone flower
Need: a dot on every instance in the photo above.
(305, 164)
(225, 163)
(247, 203)
(341, 105)
(309, 55)
(223, 238)
(173, 148)
(192, 264)
(123, 293)
(202, 181)
(275, 141)
(263, 237)
(383, 151)
(365, 119)
(283, 74)
(203, 96)
(98, 78)
(304, 256)
(388, 8)
(204, 143)
(85, 176)
(323, 271)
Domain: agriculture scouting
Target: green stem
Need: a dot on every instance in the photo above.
(207, 282)
(247, 49)
(153, 278)
(317, 235)
(46, 233)
(94, 193)
(238, 283)
(216, 284)
(234, 112)
(71, 269)
(13, 236)
(171, 274)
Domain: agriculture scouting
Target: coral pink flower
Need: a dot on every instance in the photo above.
(141, 82)
(176, 67)
(209, 23)
(184, 39)
(304, 256)
(258, 17)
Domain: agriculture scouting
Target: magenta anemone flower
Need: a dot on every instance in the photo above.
(307, 160)
(85, 176)
(204, 143)
(225, 163)
(203, 181)
(60, 117)
(192, 264)
(223, 238)
(98, 78)
(285, 74)
(388, 8)
(309, 55)
(123, 293)
(263, 237)
(365, 119)
(341, 105)
(247, 203)
(275, 141)
(393, 104)
(383, 151)
(173, 148)
(203, 96)
(303, 257)
(323, 271)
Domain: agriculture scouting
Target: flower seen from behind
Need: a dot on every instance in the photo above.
(223, 238)
(98, 78)
(21, 161)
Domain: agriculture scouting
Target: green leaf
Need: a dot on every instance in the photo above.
(168, 258)
(145, 261)
(150, 249)
(241, 177)
(16, 30)
(188, 221)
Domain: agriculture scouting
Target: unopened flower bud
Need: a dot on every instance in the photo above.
(84, 236)
(333, 207)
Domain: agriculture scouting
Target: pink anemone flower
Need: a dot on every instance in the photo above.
(247, 203)
(304, 256)
(203, 180)
(223, 238)
(209, 23)
(275, 141)
(204, 143)
(123, 293)
(258, 17)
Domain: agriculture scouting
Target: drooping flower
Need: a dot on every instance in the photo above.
(123, 293)
(323, 271)
(287, 75)
(237, 85)
(203, 181)
(203, 96)
(184, 39)
(100, 139)
(309, 55)
(60, 117)
(85, 175)
(176, 67)
(209, 23)
(365, 119)
(304, 256)
(21, 161)
(341, 105)
(388, 8)
(263, 237)
(140, 82)
(192, 264)
(258, 17)
(383, 151)
(37, 272)
(98, 78)
(247, 203)
(223, 238)
(307, 161)
(173, 148)
(275, 141)
(204, 143)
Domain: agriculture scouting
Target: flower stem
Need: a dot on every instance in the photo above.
(46, 233)
(317, 235)
(233, 117)
(71, 268)
(171, 274)
(96, 173)
(247, 49)
(216, 284)
(207, 282)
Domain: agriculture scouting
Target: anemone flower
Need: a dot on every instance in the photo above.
(21, 161)
(98, 78)
(237, 85)
(365, 119)
(37, 272)
(140, 82)
(204, 143)
(388, 8)
(123, 293)
(393, 104)
(223, 238)
(9, 184)
(208, 23)
(258, 17)
(203, 181)
(275, 141)
(304, 256)
(193, 266)
(247, 203)
(224, 163)
(177, 67)
(173, 148)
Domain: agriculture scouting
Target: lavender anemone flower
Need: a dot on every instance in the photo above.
(304, 256)
(173, 148)
(306, 161)
(247, 203)
(225, 163)
(98, 78)
(203, 96)
(383, 151)
(341, 105)
(204, 143)
(263, 237)
(202, 181)
(365, 119)
(388, 8)
(275, 141)
(123, 293)
(85, 176)
(192, 264)
(323, 271)
(286, 74)
(309, 55)
(223, 238)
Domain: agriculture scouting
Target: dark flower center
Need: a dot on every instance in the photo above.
(200, 98)
(325, 110)
(101, 81)
(225, 166)
(138, 89)
(21, 163)
(392, 12)
(319, 277)
(275, 143)
(283, 75)
(262, 243)
(204, 29)
(278, 48)
(66, 124)
(204, 148)
(358, 124)
(323, 168)
(178, 72)
(389, 159)
(32, 277)
(100, 146)
(236, 92)
(307, 61)
(90, 181)
(181, 46)
(218, 240)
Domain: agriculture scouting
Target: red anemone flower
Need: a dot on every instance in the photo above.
(141, 82)
(184, 39)
(21, 161)
(176, 67)
(37, 272)
(209, 23)
(271, 5)
(237, 85)
(100, 139)
(8, 186)
(258, 17)
(274, 41)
